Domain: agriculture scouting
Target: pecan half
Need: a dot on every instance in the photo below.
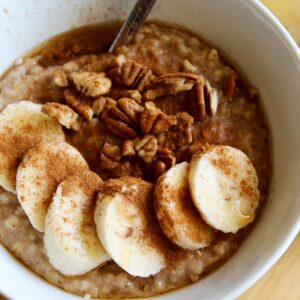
(131, 74)
(170, 84)
(64, 114)
(154, 121)
(122, 119)
(79, 104)
(91, 84)
(203, 99)
(146, 147)
(131, 108)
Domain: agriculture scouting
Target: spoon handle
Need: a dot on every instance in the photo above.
(132, 24)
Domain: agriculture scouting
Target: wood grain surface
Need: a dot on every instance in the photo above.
(282, 282)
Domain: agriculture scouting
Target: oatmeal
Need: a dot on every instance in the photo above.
(154, 107)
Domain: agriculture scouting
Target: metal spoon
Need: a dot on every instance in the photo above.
(132, 24)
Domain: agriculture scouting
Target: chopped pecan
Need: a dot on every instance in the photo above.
(100, 103)
(110, 156)
(231, 84)
(131, 74)
(158, 168)
(133, 94)
(179, 135)
(189, 67)
(64, 114)
(154, 121)
(131, 108)
(128, 148)
(203, 99)
(170, 84)
(60, 78)
(91, 84)
(146, 147)
(79, 104)
(167, 157)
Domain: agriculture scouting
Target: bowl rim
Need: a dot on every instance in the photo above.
(247, 282)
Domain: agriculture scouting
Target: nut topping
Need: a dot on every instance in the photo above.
(131, 108)
(100, 103)
(91, 84)
(154, 121)
(128, 148)
(146, 147)
(170, 84)
(133, 94)
(179, 135)
(131, 74)
(231, 85)
(60, 78)
(79, 104)
(65, 115)
(110, 156)
(203, 99)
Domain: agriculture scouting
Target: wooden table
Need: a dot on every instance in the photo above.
(282, 282)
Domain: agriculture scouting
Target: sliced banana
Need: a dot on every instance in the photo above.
(127, 228)
(70, 241)
(41, 170)
(22, 126)
(177, 215)
(224, 187)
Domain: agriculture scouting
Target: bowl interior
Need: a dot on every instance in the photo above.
(262, 50)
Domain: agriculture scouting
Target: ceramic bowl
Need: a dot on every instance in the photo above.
(263, 51)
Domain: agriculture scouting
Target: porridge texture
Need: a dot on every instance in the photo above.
(230, 115)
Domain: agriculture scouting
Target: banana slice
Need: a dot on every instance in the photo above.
(224, 187)
(177, 215)
(70, 239)
(126, 226)
(42, 169)
(22, 126)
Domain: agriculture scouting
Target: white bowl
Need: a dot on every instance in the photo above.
(264, 52)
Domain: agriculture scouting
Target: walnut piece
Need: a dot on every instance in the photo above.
(154, 121)
(146, 147)
(64, 114)
(170, 84)
(203, 100)
(79, 104)
(60, 78)
(91, 84)
(131, 74)
(122, 119)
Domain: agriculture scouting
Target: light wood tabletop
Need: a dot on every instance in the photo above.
(282, 281)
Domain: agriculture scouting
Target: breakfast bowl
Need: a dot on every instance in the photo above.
(255, 42)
